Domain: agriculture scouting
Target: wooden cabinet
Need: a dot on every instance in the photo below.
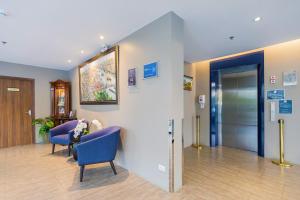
(60, 101)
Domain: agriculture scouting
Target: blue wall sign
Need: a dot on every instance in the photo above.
(275, 94)
(151, 70)
(285, 106)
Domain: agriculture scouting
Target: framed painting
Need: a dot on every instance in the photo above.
(188, 83)
(98, 78)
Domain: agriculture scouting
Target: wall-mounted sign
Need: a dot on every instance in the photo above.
(272, 111)
(290, 78)
(285, 107)
(275, 94)
(151, 70)
(132, 77)
(13, 89)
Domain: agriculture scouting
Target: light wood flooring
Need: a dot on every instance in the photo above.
(31, 172)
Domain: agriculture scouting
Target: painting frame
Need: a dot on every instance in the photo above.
(97, 57)
(186, 86)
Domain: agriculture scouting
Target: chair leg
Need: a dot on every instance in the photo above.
(53, 148)
(69, 149)
(81, 172)
(113, 167)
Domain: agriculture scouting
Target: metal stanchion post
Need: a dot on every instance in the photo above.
(281, 161)
(197, 144)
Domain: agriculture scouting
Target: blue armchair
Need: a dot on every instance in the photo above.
(62, 135)
(98, 147)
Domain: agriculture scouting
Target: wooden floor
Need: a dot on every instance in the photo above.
(30, 172)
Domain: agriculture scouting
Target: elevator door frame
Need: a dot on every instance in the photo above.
(256, 58)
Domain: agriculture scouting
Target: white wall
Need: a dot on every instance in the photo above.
(143, 112)
(278, 58)
(42, 77)
(202, 88)
(189, 127)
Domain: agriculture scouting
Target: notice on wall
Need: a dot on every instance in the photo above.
(290, 78)
(275, 94)
(272, 111)
(285, 106)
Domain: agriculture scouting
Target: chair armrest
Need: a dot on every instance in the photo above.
(101, 149)
(58, 130)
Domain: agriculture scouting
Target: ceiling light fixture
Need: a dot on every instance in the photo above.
(257, 19)
(101, 37)
(69, 61)
(82, 51)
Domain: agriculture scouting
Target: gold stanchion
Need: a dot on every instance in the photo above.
(197, 144)
(281, 161)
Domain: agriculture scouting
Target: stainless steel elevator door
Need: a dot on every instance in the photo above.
(239, 110)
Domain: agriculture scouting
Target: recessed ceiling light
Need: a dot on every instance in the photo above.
(82, 51)
(3, 13)
(101, 37)
(69, 61)
(257, 19)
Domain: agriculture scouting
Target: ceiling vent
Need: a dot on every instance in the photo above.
(3, 43)
(3, 13)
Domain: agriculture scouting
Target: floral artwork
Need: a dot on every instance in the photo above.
(99, 79)
(188, 83)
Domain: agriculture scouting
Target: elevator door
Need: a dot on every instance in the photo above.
(239, 110)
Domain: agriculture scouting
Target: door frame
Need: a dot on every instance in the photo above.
(33, 98)
(256, 58)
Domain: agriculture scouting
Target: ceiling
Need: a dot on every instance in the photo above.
(48, 33)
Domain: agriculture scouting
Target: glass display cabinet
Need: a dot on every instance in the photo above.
(60, 101)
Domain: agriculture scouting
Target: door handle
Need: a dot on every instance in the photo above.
(29, 112)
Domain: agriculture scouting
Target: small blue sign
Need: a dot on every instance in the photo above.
(275, 94)
(285, 107)
(151, 70)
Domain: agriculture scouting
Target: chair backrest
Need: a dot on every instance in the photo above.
(65, 127)
(70, 124)
(95, 125)
(99, 133)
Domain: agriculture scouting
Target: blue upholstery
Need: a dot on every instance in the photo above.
(56, 134)
(61, 139)
(97, 147)
(62, 134)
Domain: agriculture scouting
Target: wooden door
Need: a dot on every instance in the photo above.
(16, 111)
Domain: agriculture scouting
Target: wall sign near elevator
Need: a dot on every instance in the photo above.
(290, 78)
(285, 107)
(275, 94)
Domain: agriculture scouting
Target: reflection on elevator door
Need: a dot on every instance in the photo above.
(238, 108)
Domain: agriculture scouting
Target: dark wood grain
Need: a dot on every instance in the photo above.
(15, 122)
